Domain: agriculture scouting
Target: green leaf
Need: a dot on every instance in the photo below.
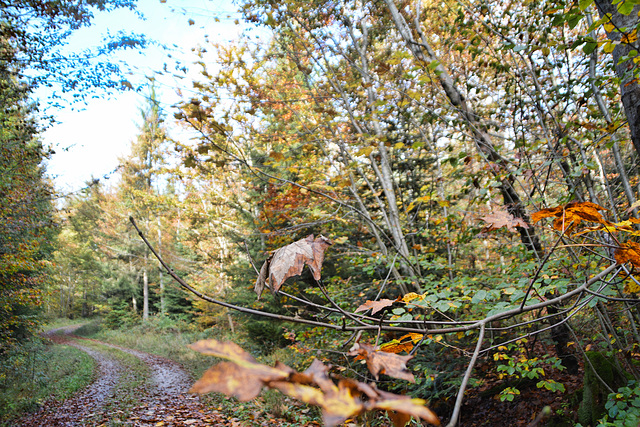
(625, 7)
(589, 47)
(481, 295)
(573, 20)
(583, 4)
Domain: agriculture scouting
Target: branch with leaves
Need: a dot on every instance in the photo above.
(289, 261)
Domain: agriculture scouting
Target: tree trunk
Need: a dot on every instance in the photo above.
(423, 52)
(629, 87)
(145, 294)
(163, 303)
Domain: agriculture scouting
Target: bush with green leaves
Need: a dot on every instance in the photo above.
(623, 407)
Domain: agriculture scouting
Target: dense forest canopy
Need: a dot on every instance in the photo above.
(471, 166)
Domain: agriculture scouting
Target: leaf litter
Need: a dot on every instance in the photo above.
(163, 401)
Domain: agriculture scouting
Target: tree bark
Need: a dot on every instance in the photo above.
(145, 294)
(629, 87)
(163, 302)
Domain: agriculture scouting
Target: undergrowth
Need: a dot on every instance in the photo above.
(37, 371)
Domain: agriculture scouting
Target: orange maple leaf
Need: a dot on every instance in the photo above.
(401, 344)
(571, 215)
(628, 252)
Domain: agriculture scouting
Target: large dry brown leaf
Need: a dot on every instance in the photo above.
(375, 305)
(381, 362)
(242, 376)
(500, 218)
(289, 261)
(243, 382)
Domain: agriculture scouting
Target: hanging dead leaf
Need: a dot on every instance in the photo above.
(289, 261)
(375, 305)
(628, 252)
(382, 362)
(262, 277)
(571, 215)
(499, 219)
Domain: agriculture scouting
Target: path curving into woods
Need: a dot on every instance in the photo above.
(163, 400)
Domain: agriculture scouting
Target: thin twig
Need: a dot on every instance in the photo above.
(465, 380)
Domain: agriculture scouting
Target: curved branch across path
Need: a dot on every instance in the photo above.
(162, 399)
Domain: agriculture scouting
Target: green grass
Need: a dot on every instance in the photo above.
(36, 371)
(169, 343)
(60, 323)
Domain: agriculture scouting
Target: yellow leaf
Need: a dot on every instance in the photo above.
(364, 151)
(411, 296)
(631, 286)
(608, 47)
(630, 37)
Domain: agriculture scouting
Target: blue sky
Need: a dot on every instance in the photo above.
(89, 139)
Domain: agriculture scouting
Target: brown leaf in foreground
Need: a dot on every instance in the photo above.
(243, 377)
(243, 382)
(382, 362)
(289, 261)
(499, 219)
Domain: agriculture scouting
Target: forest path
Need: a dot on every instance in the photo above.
(121, 397)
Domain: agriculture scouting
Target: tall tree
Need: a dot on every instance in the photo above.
(143, 184)
(26, 223)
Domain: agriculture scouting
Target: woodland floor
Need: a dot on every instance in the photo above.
(155, 393)
(160, 399)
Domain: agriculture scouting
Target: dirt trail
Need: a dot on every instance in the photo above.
(163, 401)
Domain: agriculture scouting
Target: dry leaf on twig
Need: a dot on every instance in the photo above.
(289, 261)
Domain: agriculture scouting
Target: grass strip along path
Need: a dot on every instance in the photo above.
(131, 388)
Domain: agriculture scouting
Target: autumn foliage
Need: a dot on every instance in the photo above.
(243, 377)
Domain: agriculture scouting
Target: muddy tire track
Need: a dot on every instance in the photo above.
(163, 400)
